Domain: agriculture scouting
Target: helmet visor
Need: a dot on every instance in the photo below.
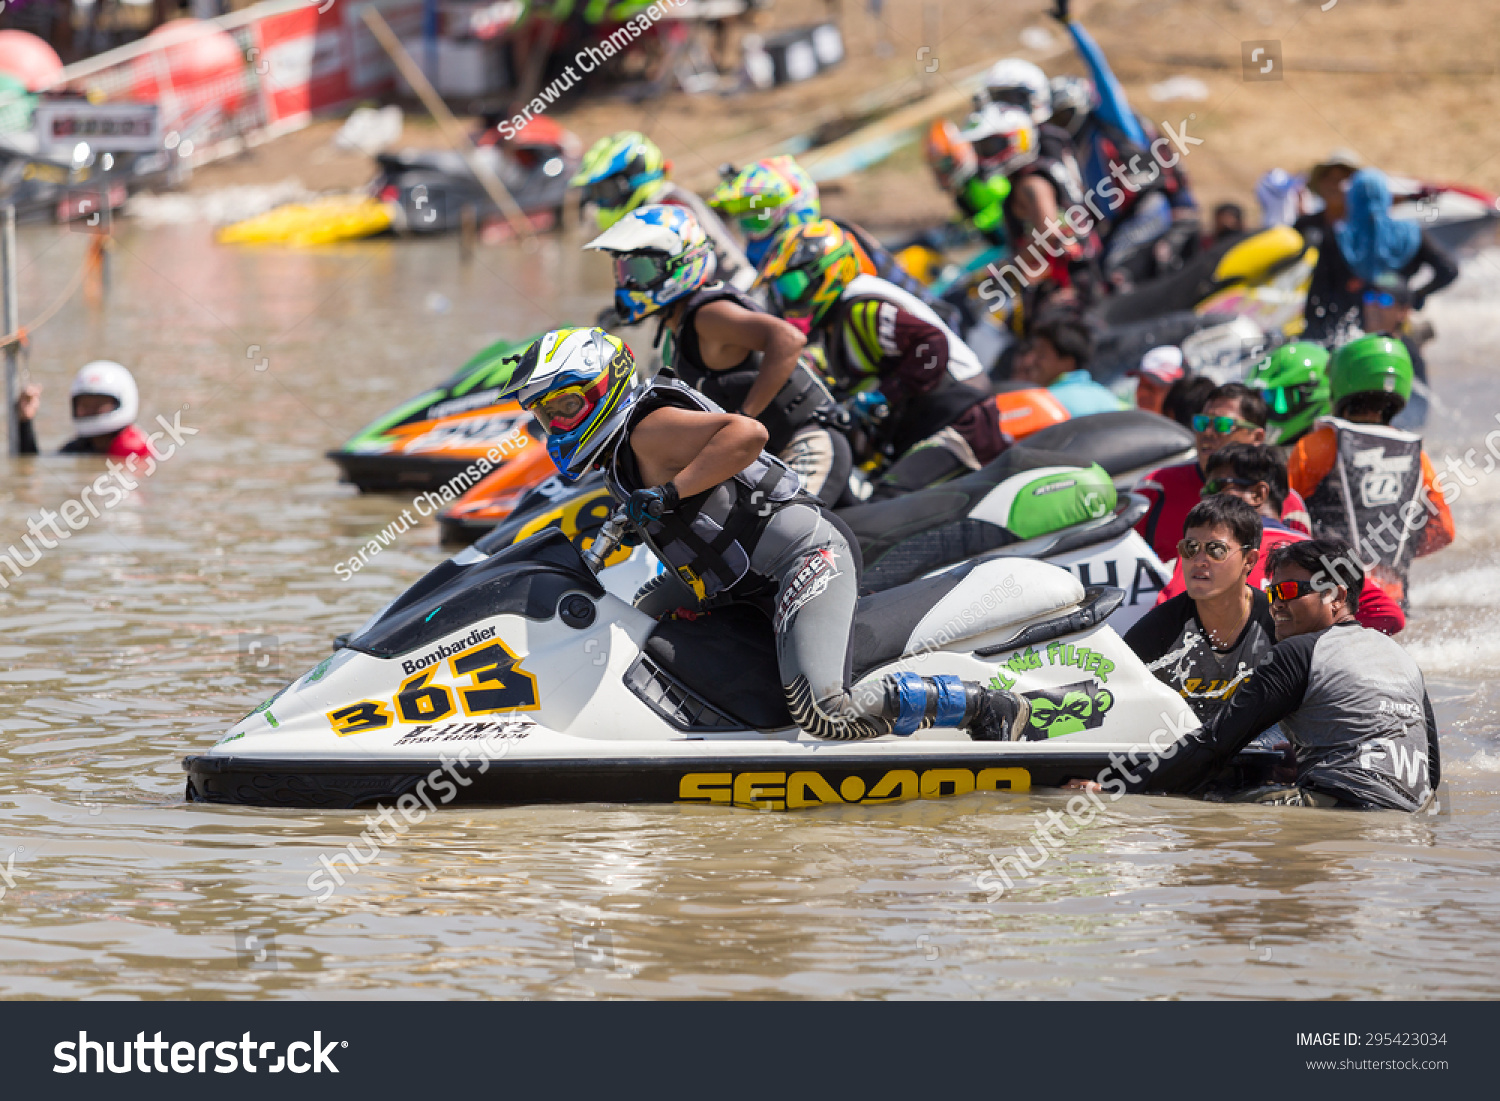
(641, 271)
(1016, 96)
(759, 222)
(993, 147)
(610, 192)
(564, 410)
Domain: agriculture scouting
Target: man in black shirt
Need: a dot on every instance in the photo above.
(1353, 703)
(1206, 641)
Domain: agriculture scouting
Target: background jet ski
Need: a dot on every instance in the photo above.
(516, 678)
(438, 437)
(427, 190)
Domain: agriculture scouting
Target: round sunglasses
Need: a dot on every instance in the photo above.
(1217, 549)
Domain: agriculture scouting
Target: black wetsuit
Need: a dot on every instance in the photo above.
(1177, 650)
(1335, 294)
(1355, 707)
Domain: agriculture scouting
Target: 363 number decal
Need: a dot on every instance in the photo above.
(496, 682)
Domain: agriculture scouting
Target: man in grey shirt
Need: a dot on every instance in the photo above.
(1351, 700)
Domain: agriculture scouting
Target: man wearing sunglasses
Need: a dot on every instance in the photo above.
(1257, 476)
(1387, 309)
(1352, 702)
(1233, 413)
(1206, 641)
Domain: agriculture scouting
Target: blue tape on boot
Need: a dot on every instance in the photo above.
(911, 691)
(952, 700)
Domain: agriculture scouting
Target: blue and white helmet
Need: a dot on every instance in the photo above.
(661, 254)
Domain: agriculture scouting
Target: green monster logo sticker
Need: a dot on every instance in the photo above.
(1067, 709)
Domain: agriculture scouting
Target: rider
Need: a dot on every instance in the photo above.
(980, 199)
(1387, 309)
(776, 194)
(1294, 382)
(105, 403)
(1037, 162)
(724, 344)
(1365, 482)
(626, 170)
(1352, 701)
(733, 523)
(923, 398)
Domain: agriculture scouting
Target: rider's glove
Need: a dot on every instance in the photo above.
(870, 407)
(646, 506)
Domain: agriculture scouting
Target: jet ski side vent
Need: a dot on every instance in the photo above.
(1098, 602)
(680, 706)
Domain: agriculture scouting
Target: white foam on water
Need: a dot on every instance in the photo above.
(218, 207)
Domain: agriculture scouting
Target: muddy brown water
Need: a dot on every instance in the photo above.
(144, 635)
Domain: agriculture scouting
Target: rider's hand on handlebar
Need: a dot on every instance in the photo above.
(870, 407)
(1060, 11)
(648, 505)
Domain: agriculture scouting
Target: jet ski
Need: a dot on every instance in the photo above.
(1060, 505)
(1453, 214)
(428, 190)
(516, 678)
(442, 439)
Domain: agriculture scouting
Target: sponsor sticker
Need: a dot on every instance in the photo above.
(810, 580)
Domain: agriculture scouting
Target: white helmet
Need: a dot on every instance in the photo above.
(1004, 139)
(1072, 99)
(106, 377)
(1020, 84)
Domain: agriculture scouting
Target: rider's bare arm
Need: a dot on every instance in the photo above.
(727, 332)
(694, 450)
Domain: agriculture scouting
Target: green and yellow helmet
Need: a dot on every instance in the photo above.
(807, 271)
(1371, 364)
(620, 173)
(768, 196)
(1294, 381)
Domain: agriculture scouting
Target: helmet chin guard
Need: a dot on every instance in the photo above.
(106, 377)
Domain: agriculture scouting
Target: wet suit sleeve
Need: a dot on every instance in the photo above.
(909, 354)
(1114, 108)
(1276, 690)
(26, 437)
(1444, 269)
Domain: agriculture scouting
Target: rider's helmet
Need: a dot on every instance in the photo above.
(105, 378)
(1372, 364)
(661, 254)
(951, 159)
(1004, 139)
(808, 271)
(1072, 102)
(1294, 381)
(619, 173)
(580, 385)
(767, 197)
(1017, 83)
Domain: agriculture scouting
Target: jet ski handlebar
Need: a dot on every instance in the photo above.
(609, 537)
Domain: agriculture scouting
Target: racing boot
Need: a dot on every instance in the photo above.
(996, 716)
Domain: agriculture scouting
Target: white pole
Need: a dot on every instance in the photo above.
(11, 323)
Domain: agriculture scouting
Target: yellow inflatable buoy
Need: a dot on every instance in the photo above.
(322, 222)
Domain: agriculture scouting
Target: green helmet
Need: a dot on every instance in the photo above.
(1294, 381)
(1374, 363)
(619, 173)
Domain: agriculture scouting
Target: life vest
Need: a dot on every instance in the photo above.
(708, 539)
(1377, 474)
(889, 269)
(801, 400)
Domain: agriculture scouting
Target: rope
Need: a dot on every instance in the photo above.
(23, 333)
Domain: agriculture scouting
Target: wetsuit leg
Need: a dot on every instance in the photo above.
(813, 617)
(940, 457)
(822, 457)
